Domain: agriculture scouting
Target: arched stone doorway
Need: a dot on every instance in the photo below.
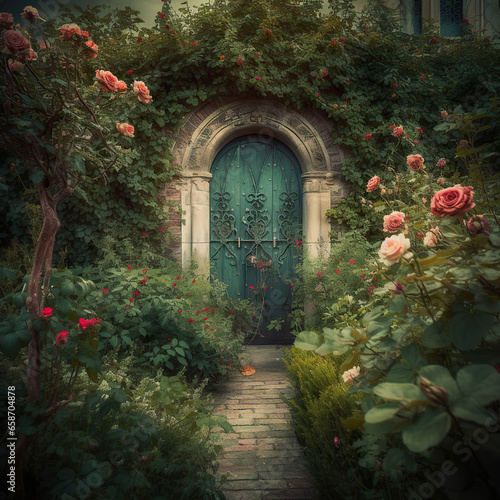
(306, 133)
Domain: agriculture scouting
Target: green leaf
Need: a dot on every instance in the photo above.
(469, 409)
(433, 338)
(398, 392)
(429, 430)
(8, 273)
(381, 413)
(374, 314)
(480, 382)
(468, 329)
(309, 341)
(63, 305)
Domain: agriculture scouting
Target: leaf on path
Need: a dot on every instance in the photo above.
(247, 370)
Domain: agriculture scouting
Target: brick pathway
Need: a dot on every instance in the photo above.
(262, 458)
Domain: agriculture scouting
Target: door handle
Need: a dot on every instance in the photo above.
(239, 242)
(274, 242)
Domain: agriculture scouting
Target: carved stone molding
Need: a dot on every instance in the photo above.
(207, 130)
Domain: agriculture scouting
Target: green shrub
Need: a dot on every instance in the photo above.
(323, 402)
(130, 436)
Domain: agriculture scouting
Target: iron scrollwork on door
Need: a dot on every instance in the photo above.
(288, 222)
(258, 220)
(222, 222)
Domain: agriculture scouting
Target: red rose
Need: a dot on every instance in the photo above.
(13, 42)
(61, 337)
(47, 312)
(456, 200)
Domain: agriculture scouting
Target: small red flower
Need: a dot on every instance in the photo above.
(61, 337)
(240, 61)
(131, 299)
(130, 71)
(47, 312)
(333, 42)
(352, 262)
(144, 271)
(257, 55)
(180, 310)
(291, 284)
(194, 281)
(144, 280)
(178, 278)
(139, 39)
(190, 320)
(251, 287)
(104, 290)
(129, 267)
(174, 284)
(258, 78)
(337, 271)
(144, 459)
(368, 136)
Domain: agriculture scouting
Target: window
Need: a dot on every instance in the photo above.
(450, 16)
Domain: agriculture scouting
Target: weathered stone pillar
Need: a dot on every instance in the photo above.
(195, 193)
(316, 201)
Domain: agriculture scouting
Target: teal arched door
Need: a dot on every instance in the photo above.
(255, 231)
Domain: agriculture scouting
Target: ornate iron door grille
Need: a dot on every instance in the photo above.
(256, 195)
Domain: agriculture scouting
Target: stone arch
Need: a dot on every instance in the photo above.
(306, 133)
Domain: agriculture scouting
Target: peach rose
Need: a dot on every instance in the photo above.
(393, 222)
(109, 82)
(351, 374)
(31, 14)
(32, 55)
(393, 248)
(125, 129)
(455, 200)
(440, 181)
(142, 92)
(91, 45)
(6, 20)
(415, 162)
(373, 183)
(14, 42)
(430, 238)
(444, 114)
(68, 30)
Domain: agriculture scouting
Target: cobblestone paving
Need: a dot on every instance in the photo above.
(262, 458)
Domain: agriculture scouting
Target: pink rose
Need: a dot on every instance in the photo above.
(68, 30)
(393, 222)
(441, 162)
(393, 248)
(6, 20)
(373, 183)
(125, 129)
(415, 162)
(42, 45)
(91, 45)
(351, 374)
(440, 181)
(14, 42)
(455, 200)
(109, 82)
(61, 337)
(142, 92)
